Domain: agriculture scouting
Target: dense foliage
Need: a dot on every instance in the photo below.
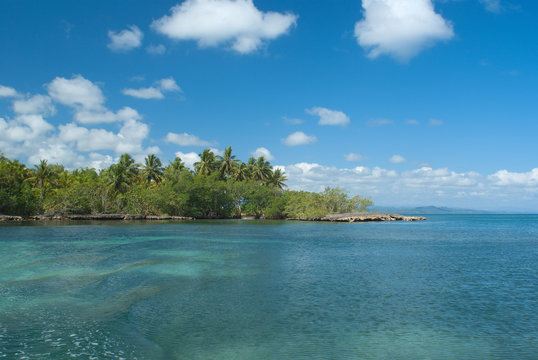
(219, 186)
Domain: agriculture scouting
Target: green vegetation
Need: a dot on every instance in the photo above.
(220, 186)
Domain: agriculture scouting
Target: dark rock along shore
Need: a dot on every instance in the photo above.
(362, 217)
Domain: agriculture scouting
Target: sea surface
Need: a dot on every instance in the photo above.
(451, 287)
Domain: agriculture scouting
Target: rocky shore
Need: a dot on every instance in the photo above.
(94, 217)
(349, 217)
(360, 217)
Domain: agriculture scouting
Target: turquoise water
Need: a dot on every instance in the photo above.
(453, 287)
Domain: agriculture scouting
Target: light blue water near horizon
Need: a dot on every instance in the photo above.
(452, 287)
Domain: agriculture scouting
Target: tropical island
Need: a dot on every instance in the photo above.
(218, 187)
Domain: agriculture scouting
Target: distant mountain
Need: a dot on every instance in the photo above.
(429, 210)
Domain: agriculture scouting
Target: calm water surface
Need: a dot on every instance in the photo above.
(453, 287)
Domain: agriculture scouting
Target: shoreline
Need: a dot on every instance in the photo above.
(349, 218)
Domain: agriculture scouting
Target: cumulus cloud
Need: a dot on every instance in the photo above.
(27, 133)
(100, 161)
(24, 128)
(354, 157)
(106, 116)
(76, 92)
(299, 138)
(37, 104)
(128, 139)
(125, 40)
(88, 101)
(168, 84)
(156, 49)
(154, 92)
(217, 22)
(400, 28)
(397, 159)
(56, 152)
(261, 151)
(188, 158)
(6, 91)
(422, 186)
(507, 178)
(329, 117)
(186, 140)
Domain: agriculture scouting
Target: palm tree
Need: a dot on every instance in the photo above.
(241, 172)
(173, 171)
(177, 164)
(207, 164)
(250, 167)
(42, 175)
(122, 174)
(227, 162)
(65, 178)
(277, 179)
(153, 169)
(261, 170)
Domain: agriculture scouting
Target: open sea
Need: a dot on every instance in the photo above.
(451, 287)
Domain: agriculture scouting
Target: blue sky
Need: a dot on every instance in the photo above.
(411, 102)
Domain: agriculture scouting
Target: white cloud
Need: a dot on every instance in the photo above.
(423, 186)
(400, 28)
(154, 92)
(188, 158)
(412, 122)
(37, 104)
(354, 157)
(168, 84)
(28, 135)
(299, 138)
(88, 101)
(216, 151)
(186, 140)
(128, 140)
(397, 159)
(23, 128)
(507, 178)
(126, 39)
(492, 5)
(56, 153)
(156, 49)
(216, 22)
(100, 161)
(435, 122)
(106, 116)
(76, 92)
(144, 93)
(6, 91)
(88, 139)
(261, 151)
(329, 117)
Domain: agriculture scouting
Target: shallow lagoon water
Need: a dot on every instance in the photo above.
(453, 287)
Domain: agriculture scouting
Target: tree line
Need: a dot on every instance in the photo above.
(219, 186)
